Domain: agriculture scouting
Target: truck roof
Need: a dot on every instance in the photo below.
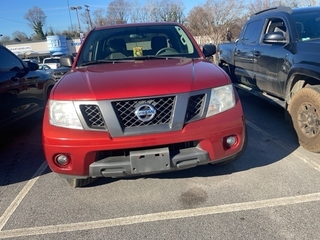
(138, 24)
(287, 10)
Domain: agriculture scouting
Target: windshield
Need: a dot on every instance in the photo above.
(52, 60)
(136, 42)
(307, 24)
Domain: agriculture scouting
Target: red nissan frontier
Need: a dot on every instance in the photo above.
(141, 99)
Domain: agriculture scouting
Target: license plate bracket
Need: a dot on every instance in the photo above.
(151, 160)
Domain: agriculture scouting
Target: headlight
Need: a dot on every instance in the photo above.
(221, 99)
(63, 114)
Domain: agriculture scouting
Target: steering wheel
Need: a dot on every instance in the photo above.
(166, 49)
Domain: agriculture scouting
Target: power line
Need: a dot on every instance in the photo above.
(13, 20)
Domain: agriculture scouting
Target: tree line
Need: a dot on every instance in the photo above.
(215, 20)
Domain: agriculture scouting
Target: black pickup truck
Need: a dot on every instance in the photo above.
(278, 55)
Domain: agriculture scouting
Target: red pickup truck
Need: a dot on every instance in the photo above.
(141, 99)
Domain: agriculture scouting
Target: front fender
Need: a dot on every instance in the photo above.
(299, 75)
(226, 53)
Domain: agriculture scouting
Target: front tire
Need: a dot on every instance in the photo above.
(226, 69)
(304, 109)
(75, 183)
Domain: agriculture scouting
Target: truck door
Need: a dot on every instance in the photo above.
(14, 89)
(272, 58)
(244, 52)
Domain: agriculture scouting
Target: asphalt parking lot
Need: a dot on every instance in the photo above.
(271, 192)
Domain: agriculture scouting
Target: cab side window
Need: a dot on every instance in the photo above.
(9, 62)
(276, 25)
(252, 33)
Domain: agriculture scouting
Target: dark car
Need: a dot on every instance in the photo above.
(23, 90)
(56, 73)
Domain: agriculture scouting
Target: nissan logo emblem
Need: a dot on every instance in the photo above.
(145, 112)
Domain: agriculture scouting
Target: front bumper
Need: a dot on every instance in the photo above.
(148, 162)
(91, 152)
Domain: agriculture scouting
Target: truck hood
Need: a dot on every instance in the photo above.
(138, 79)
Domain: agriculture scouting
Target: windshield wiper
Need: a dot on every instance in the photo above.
(103, 61)
(156, 57)
(128, 60)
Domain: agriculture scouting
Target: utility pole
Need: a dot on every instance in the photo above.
(77, 8)
(88, 12)
(70, 15)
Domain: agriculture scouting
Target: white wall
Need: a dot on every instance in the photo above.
(40, 48)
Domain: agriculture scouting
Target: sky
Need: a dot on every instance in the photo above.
(59, 17)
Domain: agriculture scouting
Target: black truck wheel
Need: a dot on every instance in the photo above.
(305, 114)
(75, 183)
(226, 69)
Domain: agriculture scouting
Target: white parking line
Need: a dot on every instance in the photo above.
(179, 214)
(15, 203)
(305, 159)
(308, 161)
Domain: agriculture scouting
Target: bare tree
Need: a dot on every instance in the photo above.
(5, 40)
(98, 18)
(216, 19)
(142, 13)
(86, 20)
(259, 5)
(36, 19)
(118, 11)
(197, 21)
(158, 11)
(289, 3)
(70, 33)
(20, 35)
(171, 11)
(309, 3)
(51, 31)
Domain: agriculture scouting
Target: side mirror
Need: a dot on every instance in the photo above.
(66, 60)
(209, 50)
(32, 66)
(274, 37)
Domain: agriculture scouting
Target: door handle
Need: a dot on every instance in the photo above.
(14, 79)
(256, 53)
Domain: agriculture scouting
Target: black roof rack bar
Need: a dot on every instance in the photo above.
(280, 8)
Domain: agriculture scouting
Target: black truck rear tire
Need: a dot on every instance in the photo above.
(304, 109)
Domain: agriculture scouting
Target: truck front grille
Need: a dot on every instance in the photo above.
(195, 105)
(92, 115)
(143, 115)
(125, 111)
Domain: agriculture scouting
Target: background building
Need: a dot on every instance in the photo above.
(55, 45)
